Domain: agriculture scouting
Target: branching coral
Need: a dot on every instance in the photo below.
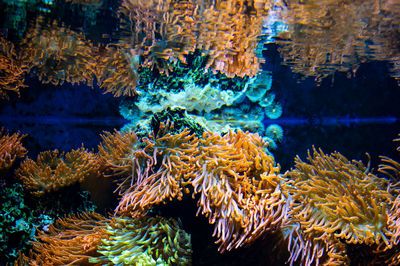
(69, 241)
(144, 241)
(336, 199)
(54, 170)
(12, 70)
(10, 148)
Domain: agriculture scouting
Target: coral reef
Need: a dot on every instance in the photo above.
(193, 85)
(326, 208)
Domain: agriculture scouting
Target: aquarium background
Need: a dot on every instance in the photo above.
(66, 101)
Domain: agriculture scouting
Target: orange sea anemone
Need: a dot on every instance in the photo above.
(54, 170)
(12, 69)
(59, 54)
(116, 70)
(69, 241)
(159, 172)
(237, 181)
(116, 152)
(334, 200)
(10, 148)
(239, 187)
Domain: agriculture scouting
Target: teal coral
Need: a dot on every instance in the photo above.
(214, 101)
(21, 215)
(194, 70)
(17, 222)
(179, 121)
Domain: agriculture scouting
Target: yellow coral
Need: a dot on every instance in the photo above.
(144, 241)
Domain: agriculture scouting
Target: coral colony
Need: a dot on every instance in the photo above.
(196, 99)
